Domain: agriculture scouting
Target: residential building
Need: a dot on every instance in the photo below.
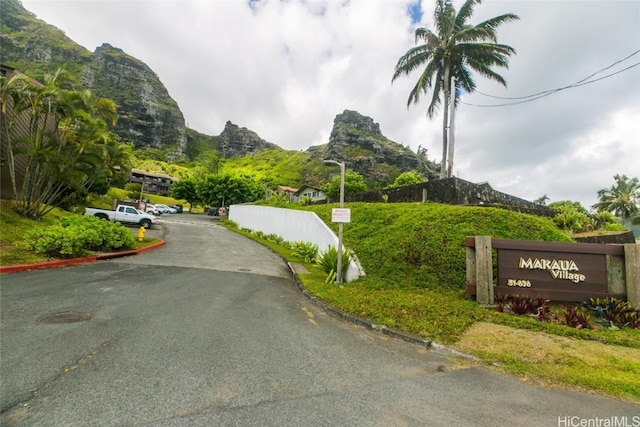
(153, 182)
(314, 193)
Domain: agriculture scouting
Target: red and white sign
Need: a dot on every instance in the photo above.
(340, 215)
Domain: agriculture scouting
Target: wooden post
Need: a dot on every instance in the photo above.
(484, 270)
(632, 273)
(471, 266)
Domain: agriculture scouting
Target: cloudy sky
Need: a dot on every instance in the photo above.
(285, 69)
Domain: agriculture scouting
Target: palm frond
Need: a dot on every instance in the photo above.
(465, 12)
(413, 59)
(491, 25)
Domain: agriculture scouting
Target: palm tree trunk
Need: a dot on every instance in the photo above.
(451, 128)
(445, 122)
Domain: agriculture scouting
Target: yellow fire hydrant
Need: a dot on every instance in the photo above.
(141, 233)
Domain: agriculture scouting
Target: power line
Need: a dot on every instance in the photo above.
(565, 87)
(582, 82)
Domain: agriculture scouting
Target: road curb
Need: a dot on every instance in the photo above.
(65, 262)
(428, 344)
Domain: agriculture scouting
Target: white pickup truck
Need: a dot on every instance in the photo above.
(123, 213)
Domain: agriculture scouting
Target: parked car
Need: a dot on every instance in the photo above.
(178, 208)
(166, 209)
(152, 209)
(123, 213)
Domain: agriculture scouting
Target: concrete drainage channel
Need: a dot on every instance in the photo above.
(64, 317)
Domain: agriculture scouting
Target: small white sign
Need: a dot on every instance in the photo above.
(340, 215)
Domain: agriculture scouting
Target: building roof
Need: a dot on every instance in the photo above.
(286, 189)
(154, 174)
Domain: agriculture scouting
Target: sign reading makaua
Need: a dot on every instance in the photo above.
(560, 272)
(340, 215)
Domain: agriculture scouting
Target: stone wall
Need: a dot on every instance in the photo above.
(615, 238)
(454, 191)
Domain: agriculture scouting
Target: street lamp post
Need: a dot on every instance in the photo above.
(342, 167)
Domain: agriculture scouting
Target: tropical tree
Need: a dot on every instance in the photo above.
(407, 178)
(185, 189)
(571, 216)
(622, 198)
(228, 189)
(449, 55)
(353, 184)
(563, 205)
(55, 141)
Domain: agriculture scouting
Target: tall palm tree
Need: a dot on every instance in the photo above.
(452, 52)
(623, 198)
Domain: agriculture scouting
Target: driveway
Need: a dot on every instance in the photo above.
(210, 329)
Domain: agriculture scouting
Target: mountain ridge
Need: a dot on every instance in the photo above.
(150, 118)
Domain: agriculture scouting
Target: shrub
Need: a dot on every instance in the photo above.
(613, 311)
(305, 250)
(501, 302)
(275, 239)
(328, 260)
(576, 318)
(571, 219)
(77, 236)
(279, 199)
(523, 305)
(305, 200)
(614, 227)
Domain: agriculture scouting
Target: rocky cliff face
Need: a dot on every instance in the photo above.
(357, 140)
(33, 46)
(235, 141)
(148, 116)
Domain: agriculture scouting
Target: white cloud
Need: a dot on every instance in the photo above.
(284, 69)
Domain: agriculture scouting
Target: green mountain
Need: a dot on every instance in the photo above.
(152, 121)
(148, 116)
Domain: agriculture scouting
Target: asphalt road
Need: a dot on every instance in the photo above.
(211, 330)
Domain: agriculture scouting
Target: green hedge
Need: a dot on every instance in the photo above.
(77, 236)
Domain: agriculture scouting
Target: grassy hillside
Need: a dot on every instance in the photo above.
(13, 229)
(422, 245)
(281, 167)
(415, 261)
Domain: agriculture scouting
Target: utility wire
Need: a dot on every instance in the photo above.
(535, 96)
(565, 87)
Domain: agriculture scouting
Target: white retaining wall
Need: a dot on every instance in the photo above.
(293, 226)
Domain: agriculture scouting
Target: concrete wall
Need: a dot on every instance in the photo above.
(293, 226)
